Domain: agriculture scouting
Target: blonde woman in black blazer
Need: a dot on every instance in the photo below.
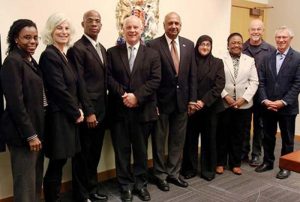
(64, 113)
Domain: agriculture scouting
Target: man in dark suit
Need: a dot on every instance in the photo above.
(89, 57)
(279, 88)
(177, 91)
(134, 75)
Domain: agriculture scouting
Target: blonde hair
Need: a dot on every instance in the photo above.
(53, 21)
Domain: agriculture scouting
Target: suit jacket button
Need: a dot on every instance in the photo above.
(177, 86)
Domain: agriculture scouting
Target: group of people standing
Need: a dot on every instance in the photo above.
(166, 88)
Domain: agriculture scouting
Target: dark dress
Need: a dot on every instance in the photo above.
(210, 83)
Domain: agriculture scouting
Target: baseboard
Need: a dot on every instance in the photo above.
(67, 186)
(108, 174)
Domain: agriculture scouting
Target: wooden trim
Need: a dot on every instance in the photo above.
(248, 4)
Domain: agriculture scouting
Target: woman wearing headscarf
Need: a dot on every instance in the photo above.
(23, 120)
(64, 113)
(211, 81)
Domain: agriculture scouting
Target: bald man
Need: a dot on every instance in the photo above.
(89, 58)
(257, 48)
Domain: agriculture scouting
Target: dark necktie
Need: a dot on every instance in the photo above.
(174, 55)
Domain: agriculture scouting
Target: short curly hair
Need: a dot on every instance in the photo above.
(53, 21)
(15, 30)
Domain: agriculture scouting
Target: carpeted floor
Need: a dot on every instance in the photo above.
(249, 187)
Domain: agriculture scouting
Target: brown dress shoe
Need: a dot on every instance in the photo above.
(220, 169)
(237, 170)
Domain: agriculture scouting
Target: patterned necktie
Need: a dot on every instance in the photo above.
(174, 55)
(98, 49)
(236, 62)
(131, 57)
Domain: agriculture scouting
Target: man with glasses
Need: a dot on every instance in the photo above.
(279, 88)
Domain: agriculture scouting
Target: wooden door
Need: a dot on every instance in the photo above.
(241, 18)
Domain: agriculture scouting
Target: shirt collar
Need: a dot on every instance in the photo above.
(93, 42)
(284, 53)
(170, 40)
(136, 46)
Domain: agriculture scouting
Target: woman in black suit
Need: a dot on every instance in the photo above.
(64, 113)
(23, 120)
(211, 81)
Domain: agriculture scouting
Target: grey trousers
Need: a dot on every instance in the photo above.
(27, 172)
(172, 126)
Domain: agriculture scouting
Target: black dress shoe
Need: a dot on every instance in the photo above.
(178, 182)
(254, 162)
(207, 178)
(143, 194)
(263, 167)
(98, 197)
(283, 174)
(126, 196)
(189, 175)
(245, 158)
(162, 185)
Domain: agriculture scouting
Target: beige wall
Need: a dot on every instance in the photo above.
(284, 13)
(198, 17)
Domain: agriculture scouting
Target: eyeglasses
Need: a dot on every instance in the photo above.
(205, 44)
(29, 38)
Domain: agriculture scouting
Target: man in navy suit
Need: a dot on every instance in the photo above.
(177, 92)
(89, 58)
(279, 88)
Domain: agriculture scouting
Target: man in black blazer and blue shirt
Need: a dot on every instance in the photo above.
(176, 93)
(279, 87)
(134, 75)
(89, 58)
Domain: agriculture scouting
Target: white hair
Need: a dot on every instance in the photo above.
(53, 21)
(132, 17)
(282, 28)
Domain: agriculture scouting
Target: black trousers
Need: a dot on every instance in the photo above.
(52, 179)
(204, 123)
(230, 136)
(257, 133)
(130, 136)
(287, 129)
(85, 163)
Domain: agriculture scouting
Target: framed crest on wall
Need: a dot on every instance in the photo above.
(146, 10)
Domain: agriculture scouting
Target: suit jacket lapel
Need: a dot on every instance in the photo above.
(124, 57)
(205, 69)
(165, 47)
(229, 65)
(138, 59)
(92, 49)
(242, 68)
(287, 58)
